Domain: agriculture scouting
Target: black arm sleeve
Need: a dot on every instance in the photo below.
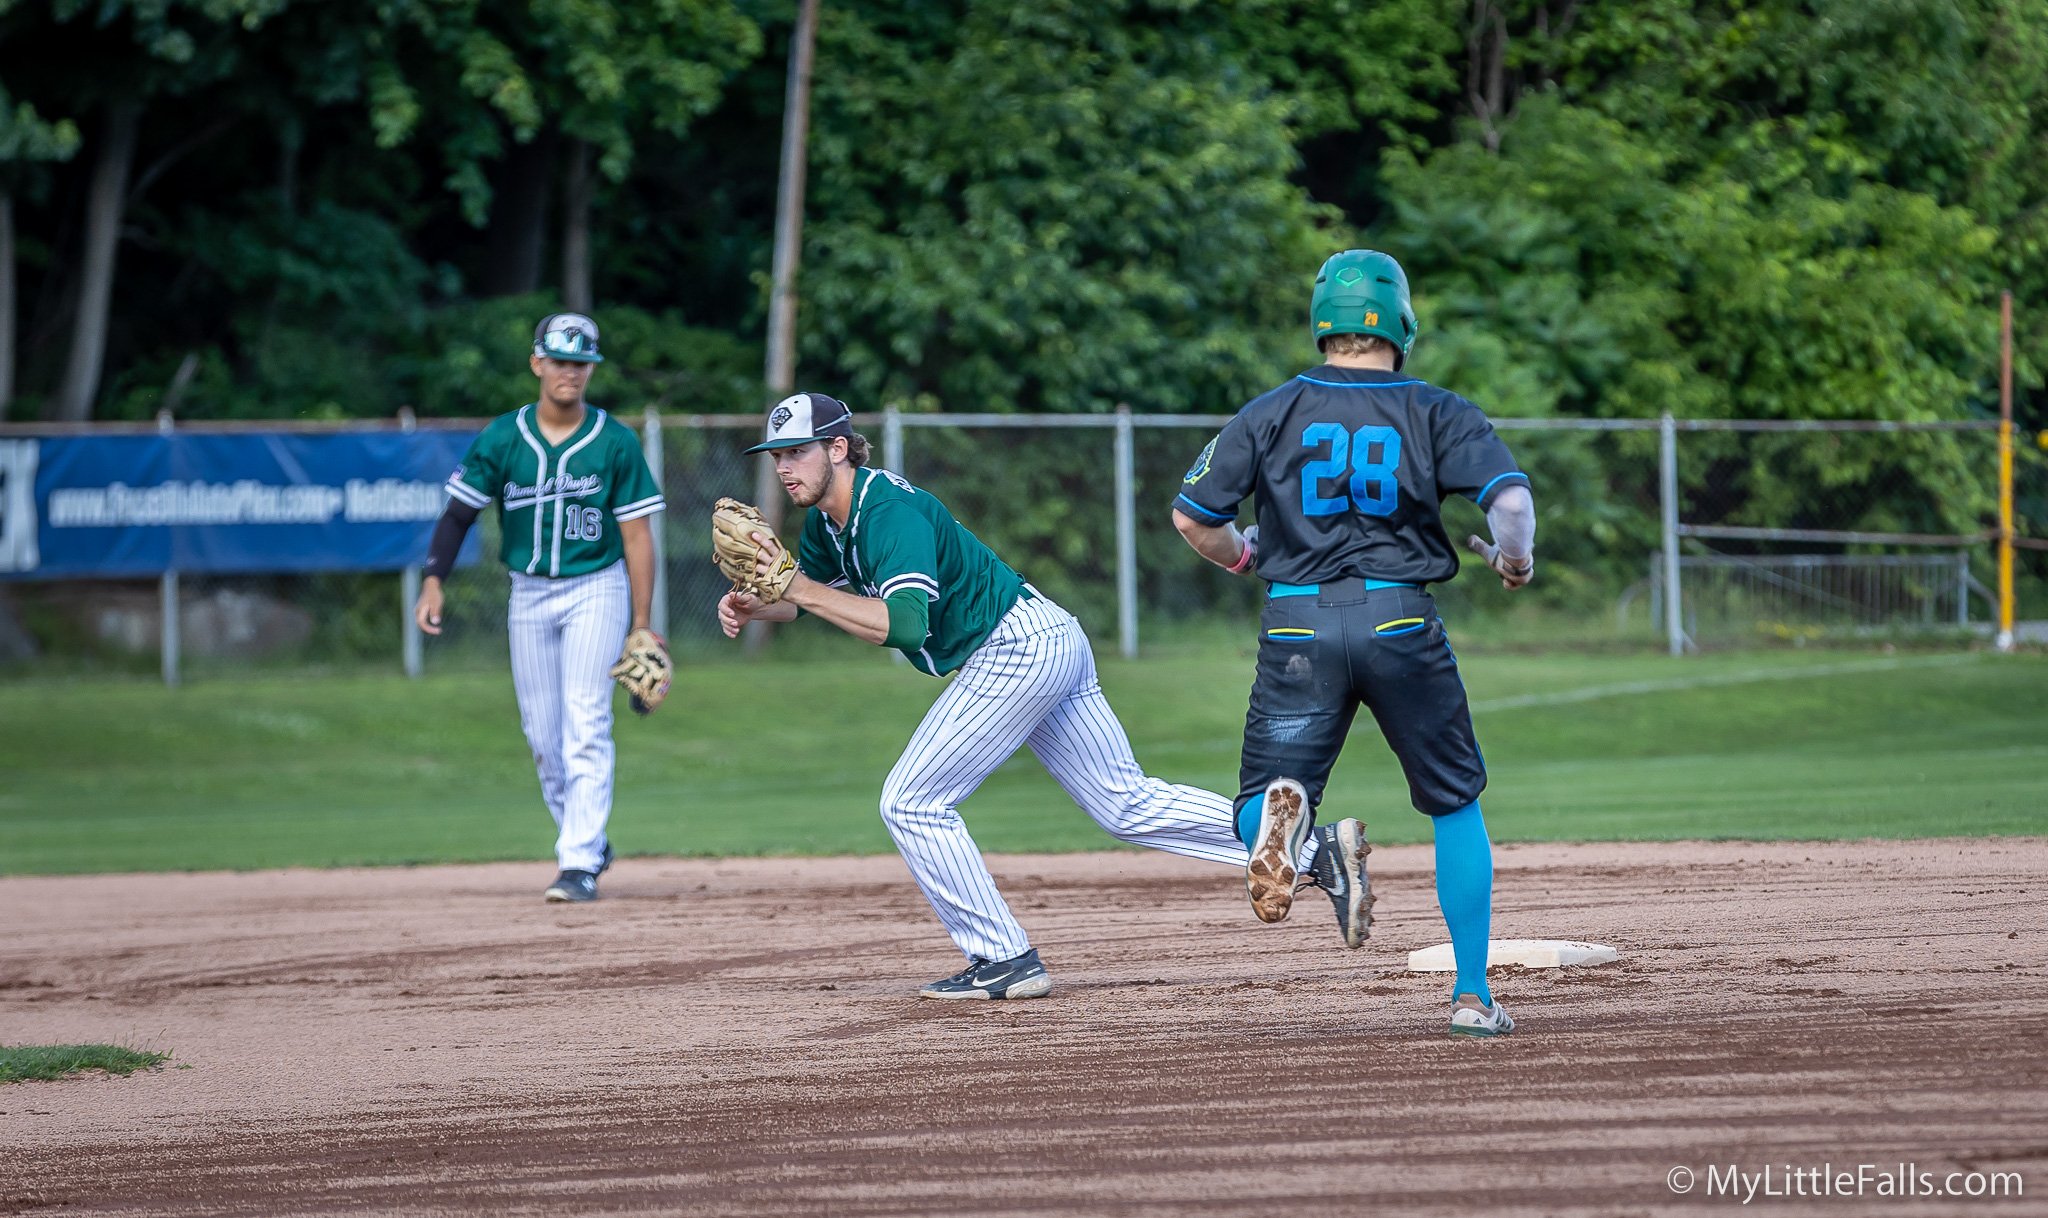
(448, 534)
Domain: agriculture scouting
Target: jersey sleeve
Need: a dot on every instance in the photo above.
(1221, 477)
(900, 551)
(816, 556)
(1470, 459)
(634, 493)
(478, 476)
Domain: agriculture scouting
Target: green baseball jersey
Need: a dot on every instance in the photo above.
(559, 505)
(898, 537)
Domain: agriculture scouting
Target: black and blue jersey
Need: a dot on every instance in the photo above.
(1349, 468)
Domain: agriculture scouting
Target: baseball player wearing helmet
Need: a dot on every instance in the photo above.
(574, 498)
(1349, 464)
(886, 562)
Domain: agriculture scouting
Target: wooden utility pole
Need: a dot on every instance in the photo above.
(780, 372)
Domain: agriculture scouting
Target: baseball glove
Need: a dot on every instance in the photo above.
(734, 551)
(644, 669)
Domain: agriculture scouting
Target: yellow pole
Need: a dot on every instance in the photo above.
(2005, 592)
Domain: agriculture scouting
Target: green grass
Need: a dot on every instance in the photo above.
(788, 758)
(19, 1062)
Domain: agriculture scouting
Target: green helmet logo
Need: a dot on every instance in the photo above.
(1363, 292)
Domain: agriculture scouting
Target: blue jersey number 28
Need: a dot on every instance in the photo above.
(1373, 486)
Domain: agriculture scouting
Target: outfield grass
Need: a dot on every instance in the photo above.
(782, 758)
(20, 1062)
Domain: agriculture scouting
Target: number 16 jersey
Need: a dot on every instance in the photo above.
(1349, 468)
(560, 504)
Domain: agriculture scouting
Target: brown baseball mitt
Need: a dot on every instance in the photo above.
(734, 551)
(645, 670)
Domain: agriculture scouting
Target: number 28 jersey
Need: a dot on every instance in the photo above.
(559, 505)
(1348, 469)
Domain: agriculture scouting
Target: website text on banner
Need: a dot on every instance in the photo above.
(129, 506)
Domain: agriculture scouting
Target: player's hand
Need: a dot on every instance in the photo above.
(426, 613)
(1514, 572)
(736, 609)
(769, 554)
(1249, 559)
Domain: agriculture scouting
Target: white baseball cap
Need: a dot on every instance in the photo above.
(803, 417)
(571, 337)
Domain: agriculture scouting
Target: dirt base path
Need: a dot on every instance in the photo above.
(740, 1037)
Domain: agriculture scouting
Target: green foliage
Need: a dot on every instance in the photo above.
(1730, 211)
(1741, 208)
(608, 72)
(1054, 206)
(472, 360)
(27, 137)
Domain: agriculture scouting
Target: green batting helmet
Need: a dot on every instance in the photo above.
(1363, 292)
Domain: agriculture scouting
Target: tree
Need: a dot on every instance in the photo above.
(112, 58)
(27, 140)
(1054, 206)
(509, 85)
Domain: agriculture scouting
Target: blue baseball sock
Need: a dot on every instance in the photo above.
(1464, 890)
(1248, 819)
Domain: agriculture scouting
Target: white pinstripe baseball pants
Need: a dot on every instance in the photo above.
(1033, 682)
(566, 634)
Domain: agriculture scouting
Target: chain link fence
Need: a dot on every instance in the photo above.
(1781, 532)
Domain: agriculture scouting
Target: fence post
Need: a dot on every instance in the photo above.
(650, 447)
(892, 460)
(1962, 587)
(1656, 589)
(409, 638)
(167, 590)
(1126, 536)
(167, 593)
(408, 596)
(892, 439)
(1667, 494)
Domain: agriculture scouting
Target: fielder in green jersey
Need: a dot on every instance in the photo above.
(575, 500)
(563, 503)
(886, 562)
(902, 546)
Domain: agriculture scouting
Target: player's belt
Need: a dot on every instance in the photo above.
(1276, 591)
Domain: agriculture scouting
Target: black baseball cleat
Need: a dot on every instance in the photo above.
(1020, 977)
(572, 886)
(604, 864)
(1339, 870)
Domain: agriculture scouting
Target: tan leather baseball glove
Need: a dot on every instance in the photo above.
(734, 551)
(645, 670)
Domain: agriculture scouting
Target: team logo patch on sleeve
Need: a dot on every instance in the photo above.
(1201, 465)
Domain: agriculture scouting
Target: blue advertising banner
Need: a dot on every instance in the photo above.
(128, 505)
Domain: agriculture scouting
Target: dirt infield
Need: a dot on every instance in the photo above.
(740, 1038)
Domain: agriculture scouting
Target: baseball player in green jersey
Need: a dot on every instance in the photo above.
(574, 500)
(886, 562)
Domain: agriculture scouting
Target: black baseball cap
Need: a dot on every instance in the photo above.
(803, 417)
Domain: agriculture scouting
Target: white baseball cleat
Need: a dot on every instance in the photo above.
(1471, 1017)
(1274, 865)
